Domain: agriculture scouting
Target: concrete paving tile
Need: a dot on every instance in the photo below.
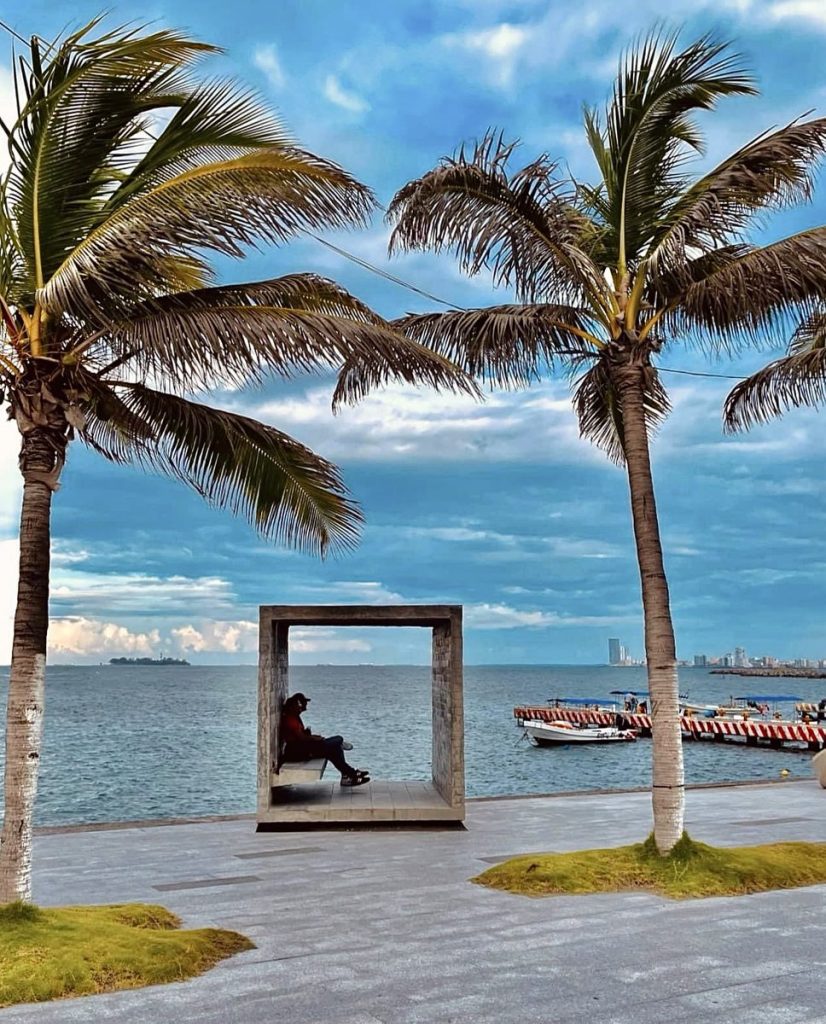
(361, 928)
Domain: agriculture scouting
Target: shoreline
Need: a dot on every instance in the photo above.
(209, 819)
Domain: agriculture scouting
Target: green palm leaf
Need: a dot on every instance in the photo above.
(649, 131)
(81, 117)
(285, 490)
(267, 195)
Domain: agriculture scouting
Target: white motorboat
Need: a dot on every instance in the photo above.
(540, 733)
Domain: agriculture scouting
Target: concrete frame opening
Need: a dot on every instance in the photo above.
(442, 800)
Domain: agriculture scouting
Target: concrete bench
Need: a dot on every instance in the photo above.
(819, 767)
(292, 773)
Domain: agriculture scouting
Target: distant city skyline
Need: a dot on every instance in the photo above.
(619, 654)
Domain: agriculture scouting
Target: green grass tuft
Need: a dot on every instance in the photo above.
(691, 870)
(73, 951)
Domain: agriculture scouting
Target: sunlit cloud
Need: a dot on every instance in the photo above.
(83, 637)
(265, 58)
(335, 92)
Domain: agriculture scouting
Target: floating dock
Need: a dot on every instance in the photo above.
(751, 731)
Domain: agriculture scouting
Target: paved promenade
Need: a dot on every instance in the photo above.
(384, 928)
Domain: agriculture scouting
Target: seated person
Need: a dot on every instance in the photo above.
(642, 708)
(821, 709)
(301, 745)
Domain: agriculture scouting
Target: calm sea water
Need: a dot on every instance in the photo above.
(125, 743)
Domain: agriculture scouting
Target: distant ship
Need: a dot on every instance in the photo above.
(148, 661)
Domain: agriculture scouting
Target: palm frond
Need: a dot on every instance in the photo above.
(649, 129)
(237, 334)
(81, 117)
(599, 409)
(787, 383)
(215, 120)
(508, 346)
(810, 333)
(523, 227)
(268, 195)
(285, 490)
(772, 171)
(756, 293)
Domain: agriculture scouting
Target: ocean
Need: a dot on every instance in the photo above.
(129, 743)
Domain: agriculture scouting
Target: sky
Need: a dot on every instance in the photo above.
(498, 506)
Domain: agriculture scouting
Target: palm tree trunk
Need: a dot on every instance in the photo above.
(24, 721)
(668, 779)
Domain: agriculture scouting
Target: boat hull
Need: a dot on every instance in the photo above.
(555, 733)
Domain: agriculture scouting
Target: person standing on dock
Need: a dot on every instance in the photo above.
(821, 709)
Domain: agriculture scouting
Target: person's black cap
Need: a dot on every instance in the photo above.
(302, 698)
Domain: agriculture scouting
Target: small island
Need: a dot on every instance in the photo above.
(148, 661)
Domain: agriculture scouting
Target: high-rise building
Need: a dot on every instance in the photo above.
(700, 661)
(740, 659)
(615, 651)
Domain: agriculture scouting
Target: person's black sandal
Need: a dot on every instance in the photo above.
(358, 779)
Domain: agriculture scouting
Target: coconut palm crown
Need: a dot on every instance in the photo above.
(126, 175)
(607, 275)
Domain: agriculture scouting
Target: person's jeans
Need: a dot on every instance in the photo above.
(332, 747)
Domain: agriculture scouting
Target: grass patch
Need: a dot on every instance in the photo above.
(691, 870)
(74, 951)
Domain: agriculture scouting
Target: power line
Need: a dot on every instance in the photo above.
(366, 265)
(699, 373)
(385, 274)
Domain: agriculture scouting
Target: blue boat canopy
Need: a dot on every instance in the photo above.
(580, 700)
(645, 693)
(768, 697)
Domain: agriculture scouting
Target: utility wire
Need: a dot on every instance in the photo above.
(383, 273)
(366, 265)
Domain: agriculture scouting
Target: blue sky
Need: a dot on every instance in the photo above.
(497, 506)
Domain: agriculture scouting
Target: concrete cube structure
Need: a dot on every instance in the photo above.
(442, 799)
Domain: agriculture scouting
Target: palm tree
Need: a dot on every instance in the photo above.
(125, 175)
(606, 275)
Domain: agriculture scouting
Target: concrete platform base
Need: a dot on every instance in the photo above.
(374, 803)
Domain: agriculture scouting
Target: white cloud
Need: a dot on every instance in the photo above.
(83, 637)
(135, 593)
(265, 58)
(327, 641)
(811, 11)
(400, 423)
(230, 637)
(353, 591)
(502, 616)
(500, 45)
(335, 92)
